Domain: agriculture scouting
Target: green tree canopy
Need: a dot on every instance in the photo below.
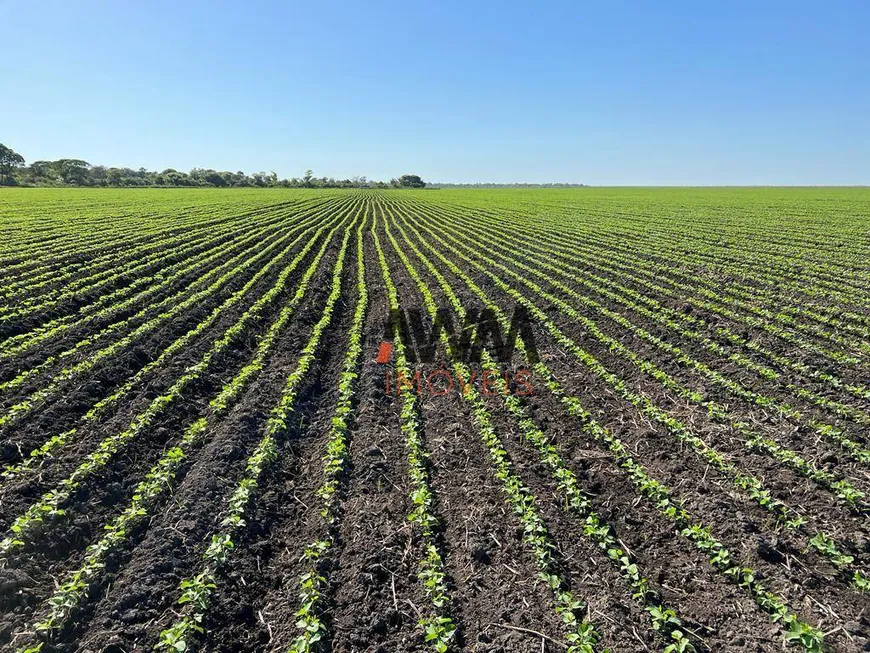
(9, 160)
(73, 171)
(76, 172)
(411, 181)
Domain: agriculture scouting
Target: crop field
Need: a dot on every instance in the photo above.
(455, 420)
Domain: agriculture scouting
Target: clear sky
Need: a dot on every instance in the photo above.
(606, 92)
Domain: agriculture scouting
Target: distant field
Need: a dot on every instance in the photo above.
(257, 420)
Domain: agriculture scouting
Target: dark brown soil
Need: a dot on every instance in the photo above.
(374, 596)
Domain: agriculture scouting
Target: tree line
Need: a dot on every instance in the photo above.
(76, 172)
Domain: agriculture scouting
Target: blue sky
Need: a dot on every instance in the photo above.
(601, 92)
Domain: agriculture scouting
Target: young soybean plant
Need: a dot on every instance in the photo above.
(664, 620)
(163, 475)
(51, 503)
(581, 634)
(196, 590)
(751, 485)
(798, 631)
(439, 628)
(313, 582)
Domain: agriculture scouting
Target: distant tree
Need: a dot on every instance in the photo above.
(240, 179)
(76, 172)
(98, 176)
(115, 176)
(73, 172)
(179, 178)
(40, 172)
(214, 178)
(411, 181)
(9, 160)
(43, 169)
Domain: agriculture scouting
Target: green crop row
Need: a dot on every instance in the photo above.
(196, 590)
(50, 505)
